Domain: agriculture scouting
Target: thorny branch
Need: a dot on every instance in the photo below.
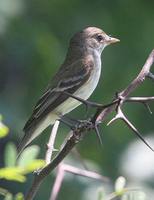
(78, 134)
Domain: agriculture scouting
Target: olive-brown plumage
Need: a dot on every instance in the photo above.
(78, 75)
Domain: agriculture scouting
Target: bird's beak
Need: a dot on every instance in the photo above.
(111, 40)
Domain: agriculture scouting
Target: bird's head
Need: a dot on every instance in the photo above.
(92, 37)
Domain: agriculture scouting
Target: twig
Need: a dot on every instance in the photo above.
(143, 100)
(71, 142)
(140, 99)
(132, 86)
(50, 145)
(63, 168)
(83, 172)
(57, 183)
(114, 195)
(78, 157)
(121, 116)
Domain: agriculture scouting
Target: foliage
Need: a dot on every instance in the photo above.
(3, 129)
(16, 169)
(122, 192)
(8, 196)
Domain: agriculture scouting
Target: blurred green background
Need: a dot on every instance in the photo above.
(34, 37)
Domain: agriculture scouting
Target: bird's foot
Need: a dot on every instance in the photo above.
(75, 124)
(89, 125)
(84, 125)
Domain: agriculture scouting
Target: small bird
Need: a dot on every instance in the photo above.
(78, 75)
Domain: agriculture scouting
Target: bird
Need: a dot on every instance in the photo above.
(78, 75)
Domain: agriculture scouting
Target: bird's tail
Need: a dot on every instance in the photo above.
(33, 132)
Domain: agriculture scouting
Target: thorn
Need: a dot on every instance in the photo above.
(151, 76)
(131, 126)
(118, 116)
(111, 121)
(98, 134)
(121, 116)
(55, 150)
(148, 107)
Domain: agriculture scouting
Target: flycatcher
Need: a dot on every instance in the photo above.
(78, 75)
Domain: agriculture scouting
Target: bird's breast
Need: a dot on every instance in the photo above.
(84, 91)
(87, 89)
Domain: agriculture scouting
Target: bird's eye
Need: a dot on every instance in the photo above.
(99, 38)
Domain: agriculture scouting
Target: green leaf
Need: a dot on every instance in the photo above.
(101, 194)
(10, 155)
(19, 196)
(36, 164)
(119, 185)
(12, 174)
(3, 129)
(9, 196)
(28, 155)
(3, 191)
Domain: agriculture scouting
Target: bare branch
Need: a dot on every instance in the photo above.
(99, 116)
(132, 86)
(62, 168)
(75, 137)
(78, 157)
(121, 116)
(141, 76)
(143, 100)
(50, 145)
(139, 99)
(83, 172)
(58, 182)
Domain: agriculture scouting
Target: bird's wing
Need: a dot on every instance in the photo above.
(63, 81)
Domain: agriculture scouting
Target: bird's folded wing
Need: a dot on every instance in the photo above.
(68, 79)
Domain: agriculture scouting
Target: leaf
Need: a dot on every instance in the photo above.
(119, 185)
(19, 196)
(8, 197)
(3, 191)
(12, 174)
(28, 155)
(35, 165)
(3, 129)
(10, 155)
(101, 194)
